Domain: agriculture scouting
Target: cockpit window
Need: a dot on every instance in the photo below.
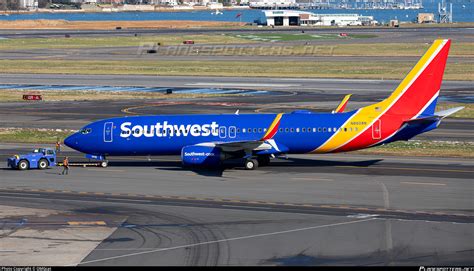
(85, 131)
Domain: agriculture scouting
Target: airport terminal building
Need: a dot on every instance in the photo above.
(304, 18)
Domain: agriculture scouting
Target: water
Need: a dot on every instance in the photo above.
(460, 14)
(135, 89)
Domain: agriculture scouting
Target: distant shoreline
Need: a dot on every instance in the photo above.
(119, 10)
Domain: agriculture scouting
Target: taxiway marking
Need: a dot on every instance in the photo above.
(226, 240)
(417, 183)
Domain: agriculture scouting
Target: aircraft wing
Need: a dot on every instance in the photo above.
(268, 146)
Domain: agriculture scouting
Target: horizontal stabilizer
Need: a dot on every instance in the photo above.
(342, 105)
(423, 120)
(443, 114)
(438, 116)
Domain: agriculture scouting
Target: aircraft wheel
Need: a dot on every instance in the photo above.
(23, 165)
(43, 164)
(104, 163)
(251, 164)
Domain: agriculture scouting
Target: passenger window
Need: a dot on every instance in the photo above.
(319, 129)
(287, 130)
(292, 130)
(259, 130)
(329, 129)
(324, 129)
(238, 130)
(304, 130)
(281, 130)
(243, 130)
(297, 130)
(345, 129)
(314, 130)
(254, 130)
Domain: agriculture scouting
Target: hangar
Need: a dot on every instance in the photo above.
(304, 18)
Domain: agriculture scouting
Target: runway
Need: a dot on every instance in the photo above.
(320, 85)
(206, 53)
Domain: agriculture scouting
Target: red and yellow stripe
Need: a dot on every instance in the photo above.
(405, 102)
(273, 129)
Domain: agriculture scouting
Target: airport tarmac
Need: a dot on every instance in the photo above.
(302, 211)
(203, 53)
(167, 53)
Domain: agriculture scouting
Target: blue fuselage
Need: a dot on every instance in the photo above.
(297, 132)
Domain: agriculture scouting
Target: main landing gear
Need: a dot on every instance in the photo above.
(252, 163)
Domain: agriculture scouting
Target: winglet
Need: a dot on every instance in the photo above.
(237, 112)
(443, 114)
(340, 108)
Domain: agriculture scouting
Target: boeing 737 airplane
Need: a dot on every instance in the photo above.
(208, 140)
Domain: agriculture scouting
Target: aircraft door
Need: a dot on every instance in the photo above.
(108, 131)
(377, 129)
(222, 132)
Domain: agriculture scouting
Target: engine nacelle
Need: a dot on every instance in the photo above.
(201, 156)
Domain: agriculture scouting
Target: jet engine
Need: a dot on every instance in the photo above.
(201, 156)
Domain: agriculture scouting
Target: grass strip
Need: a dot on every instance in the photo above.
(16, 95)
(466, 113)
(40, 136)
(117, 41)
(364, 70)
(424, 148)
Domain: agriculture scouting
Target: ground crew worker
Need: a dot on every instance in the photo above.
(58, 146)
(65, 166)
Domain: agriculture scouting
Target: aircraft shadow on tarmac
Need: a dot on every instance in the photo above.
(218, 172)
(287, 163)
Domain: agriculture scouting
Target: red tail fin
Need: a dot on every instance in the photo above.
(420, 88)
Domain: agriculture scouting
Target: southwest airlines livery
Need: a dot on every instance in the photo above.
(208, 140)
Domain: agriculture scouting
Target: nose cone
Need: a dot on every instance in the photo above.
(72, 141)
